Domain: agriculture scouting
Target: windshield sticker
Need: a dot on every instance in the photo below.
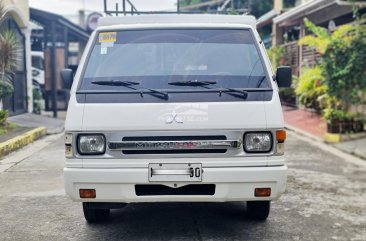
(107, 45)
(108, 37)
(103, 51)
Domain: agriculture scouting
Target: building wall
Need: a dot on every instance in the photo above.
(19, 9)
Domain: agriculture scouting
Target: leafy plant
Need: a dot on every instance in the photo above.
(342, 70)
(310, 88)
(37, 97)
(321, 38)
(335, 115)
(9, 54)
(276, 54)
(345, 68)
(3, 118)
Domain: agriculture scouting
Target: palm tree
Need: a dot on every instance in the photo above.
(9, 53)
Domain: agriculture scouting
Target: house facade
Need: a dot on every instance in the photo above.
(17, 20)
(288, 27)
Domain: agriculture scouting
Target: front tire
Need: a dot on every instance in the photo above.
(258, 210)
(95, 215)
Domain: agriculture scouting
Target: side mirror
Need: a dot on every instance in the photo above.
(67, 78)
(284, 76)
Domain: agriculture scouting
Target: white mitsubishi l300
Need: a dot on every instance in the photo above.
(175, 108)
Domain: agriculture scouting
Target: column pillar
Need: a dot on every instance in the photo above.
(28, 65)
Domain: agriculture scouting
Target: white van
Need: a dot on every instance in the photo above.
(175, 108)
(38, 68)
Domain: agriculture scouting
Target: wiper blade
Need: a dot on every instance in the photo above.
(129, 84)
(238, 92)
(192, 83)
(157, 93)
(261, 81)
(115, 83)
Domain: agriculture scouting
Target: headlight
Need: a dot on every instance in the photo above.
(258, 142)
(91, 144)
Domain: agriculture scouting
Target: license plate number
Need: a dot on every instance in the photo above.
(175, 172)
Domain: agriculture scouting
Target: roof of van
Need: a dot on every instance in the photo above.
(178, 19)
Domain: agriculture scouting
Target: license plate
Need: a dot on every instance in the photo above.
(175, 172)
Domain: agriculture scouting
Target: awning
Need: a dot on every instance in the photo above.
(45, 18)
(317, 11)
(266, 19)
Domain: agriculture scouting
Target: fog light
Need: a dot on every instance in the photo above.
(68, 151)
(87, 193)
(262, 192)
(280, 148)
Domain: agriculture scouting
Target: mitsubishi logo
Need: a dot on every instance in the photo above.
(174, 118)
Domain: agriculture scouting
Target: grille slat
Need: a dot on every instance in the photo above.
(172, 139)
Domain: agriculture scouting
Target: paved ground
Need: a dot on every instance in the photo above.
(325, 200)
(14, 133)
(31, 120)
(355, 147)
(309, 122)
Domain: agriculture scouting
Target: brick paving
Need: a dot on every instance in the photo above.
(309, 122)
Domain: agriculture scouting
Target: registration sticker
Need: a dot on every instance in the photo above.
(108, 37)
(103, 51)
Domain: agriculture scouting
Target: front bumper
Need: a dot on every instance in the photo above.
(232, 184)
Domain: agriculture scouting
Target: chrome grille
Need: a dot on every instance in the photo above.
(174, 144)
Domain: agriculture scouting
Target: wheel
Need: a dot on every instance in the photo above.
(95, 215)
(258, 210)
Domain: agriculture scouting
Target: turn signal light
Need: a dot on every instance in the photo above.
(87, 193)
(262, 192)
(281, 136)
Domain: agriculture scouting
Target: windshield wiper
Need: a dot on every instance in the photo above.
(115, 83)
(243, 93)
(129, 84)
(192, 83)
(261, 81)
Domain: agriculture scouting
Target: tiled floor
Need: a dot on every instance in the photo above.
(309, 122)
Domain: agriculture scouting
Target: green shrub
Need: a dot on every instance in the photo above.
(311, 88)
(345, 69)
(37, 97)
(3, 118)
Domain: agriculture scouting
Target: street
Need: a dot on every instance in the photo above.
(325, 200)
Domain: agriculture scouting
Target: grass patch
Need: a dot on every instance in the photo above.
(9, 126)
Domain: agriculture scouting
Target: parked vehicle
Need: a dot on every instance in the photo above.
(38, 67)
(181, 108)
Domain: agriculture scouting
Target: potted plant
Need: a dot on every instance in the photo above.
(335, 120)
(358, 123)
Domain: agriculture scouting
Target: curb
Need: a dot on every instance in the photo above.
(325, 144)
(304, 133)
(347, 157)
(22, 140)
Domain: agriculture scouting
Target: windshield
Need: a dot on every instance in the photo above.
(155, 58)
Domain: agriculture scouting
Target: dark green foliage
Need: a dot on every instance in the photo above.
(6, 89)
(345, 69)
(37, 97)
(3, 118)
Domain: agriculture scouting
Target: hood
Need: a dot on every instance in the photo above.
(174, 116)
